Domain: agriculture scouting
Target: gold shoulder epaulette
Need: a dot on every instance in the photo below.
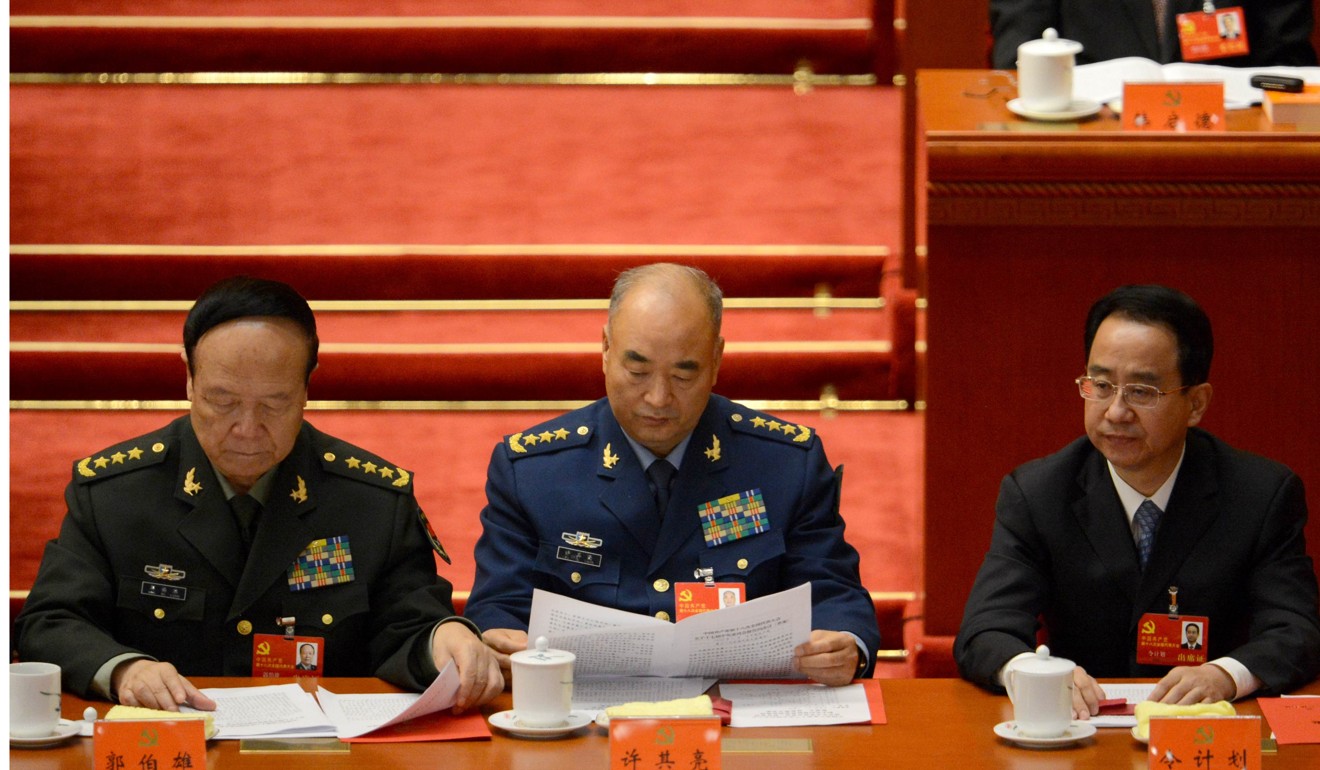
(755, 423)
(547, 437)
(352, 462)
(141, 452)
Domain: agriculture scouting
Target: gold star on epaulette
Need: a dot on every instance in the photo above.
(135, 454)
(118, 458)
(369, 467)
(772, 425)
(531, 439)
(387, 473)
(353, 462)
(561, 434)
(758, 422)
(547, 435)
(101, 462)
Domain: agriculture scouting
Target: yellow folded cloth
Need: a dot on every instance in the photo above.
(137, 712)
(1147, 709)
(699, 706)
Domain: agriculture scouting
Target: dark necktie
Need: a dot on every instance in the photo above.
(661, 475)
(1161, 8)
(246, 510)
(1147, 519)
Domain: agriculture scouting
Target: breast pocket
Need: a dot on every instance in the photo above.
(578, 572)
(751, 560)
(330, 610)
(159, 611)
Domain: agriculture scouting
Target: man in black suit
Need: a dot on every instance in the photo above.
(1096, 535)
(1192, 636)
(1279, 31)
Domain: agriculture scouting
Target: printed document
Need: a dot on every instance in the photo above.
(360, 713)
(269, 711)
(752, 640)
(785, 705)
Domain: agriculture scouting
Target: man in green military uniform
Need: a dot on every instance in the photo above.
(183, 547)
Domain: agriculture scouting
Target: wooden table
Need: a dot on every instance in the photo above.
(933, 723)
(1029, 223)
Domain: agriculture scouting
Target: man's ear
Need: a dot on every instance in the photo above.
(188, 371)
(1199, 397)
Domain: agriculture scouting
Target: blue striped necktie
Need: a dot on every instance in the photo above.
(1148, 519)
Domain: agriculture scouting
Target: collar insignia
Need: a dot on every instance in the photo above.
(299, 495)
(609, 459)
(190, 485)
(713, 453)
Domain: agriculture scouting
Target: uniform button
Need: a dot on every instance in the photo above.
(327, 619)
(244, 627)
(662, 615)
(661, 585)
(329, 457)
(158, 447)
(159, 613)
(576, 577)
(742, 564)
(583, 430)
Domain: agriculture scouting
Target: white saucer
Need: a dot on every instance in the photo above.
(1137, 736)
(508, 722)
(1080, 108)
(1076, 731)
(63, 732)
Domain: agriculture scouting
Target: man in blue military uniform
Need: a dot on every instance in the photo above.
(182, 547)
(604, 504)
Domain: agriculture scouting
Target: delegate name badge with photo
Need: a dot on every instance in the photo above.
(1172, 641)
(276, 655)
(1212, 33)
(696, 598)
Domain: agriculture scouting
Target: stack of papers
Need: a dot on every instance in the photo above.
(1103, 81)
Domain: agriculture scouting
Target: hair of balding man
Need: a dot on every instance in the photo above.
(710, 291)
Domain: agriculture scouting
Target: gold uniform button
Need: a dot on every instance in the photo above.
(661, 585)
(244, 627)
(576, 577)
(329, 457)
(737, 418)
(662, 615)
(742, 564)
(583, 430)
(327, 619)
(159, 613)
(158, 447)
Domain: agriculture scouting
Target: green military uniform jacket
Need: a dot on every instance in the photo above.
(150, 560)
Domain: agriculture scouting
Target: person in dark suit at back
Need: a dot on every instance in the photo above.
(181, 546)
(1279, 31)
(579, 506)
(1094, 536)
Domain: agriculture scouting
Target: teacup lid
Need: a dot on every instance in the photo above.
(1042, 663)
(1050, 44)
(542, 655)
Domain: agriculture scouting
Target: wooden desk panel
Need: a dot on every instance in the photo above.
(933, 723)
(1030, 223)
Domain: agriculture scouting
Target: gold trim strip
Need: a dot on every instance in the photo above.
(453, 250)
(801, 81)
(454, 348)
(445, 22)
(457, 406)
(443, 305)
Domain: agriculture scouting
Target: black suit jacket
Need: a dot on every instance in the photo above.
(1279, 31)
(1231, 540)
(155, 501)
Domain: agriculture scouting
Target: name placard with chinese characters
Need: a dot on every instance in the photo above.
(149, 744)
(1177, 107)
(642, 743)
(1183, 742)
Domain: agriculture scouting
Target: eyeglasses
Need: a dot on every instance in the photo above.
(1140, 396)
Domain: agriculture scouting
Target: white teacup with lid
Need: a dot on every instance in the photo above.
(1045, 72)
(542, 685)
(1041, 689)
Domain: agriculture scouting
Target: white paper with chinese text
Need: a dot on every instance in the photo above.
(269, 711)
(786, 705)
(360, 713)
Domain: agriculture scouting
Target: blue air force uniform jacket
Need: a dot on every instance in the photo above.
(569, 511)
(149, 559)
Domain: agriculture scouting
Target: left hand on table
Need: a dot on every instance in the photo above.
(828, 657)
(1194, 684)
(479, 674)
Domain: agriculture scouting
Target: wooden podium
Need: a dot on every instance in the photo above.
(1030, 223)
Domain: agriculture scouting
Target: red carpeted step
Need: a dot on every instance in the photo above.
(91, 272)
(859, 370)
(457, 36)
(212, 168)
